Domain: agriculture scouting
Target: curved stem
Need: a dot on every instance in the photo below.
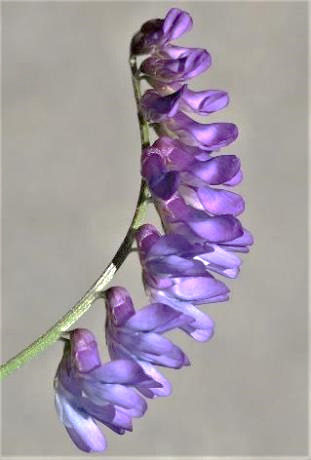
(49, 337)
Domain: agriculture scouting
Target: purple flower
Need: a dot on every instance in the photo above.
(210, 137)
(157, 108)
(196, 225)
(158, 32)
(176, 273)
(88, 391)
(176, 71)
(137, 335)
(167, 166)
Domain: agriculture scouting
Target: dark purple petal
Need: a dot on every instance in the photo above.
(146, 236)
(204, 102)
(153, 164)
(165, 185)
(162, 183)
(210, 137)
(149, 36)
(158, 108)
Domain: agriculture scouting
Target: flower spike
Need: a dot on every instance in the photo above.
(190, 181)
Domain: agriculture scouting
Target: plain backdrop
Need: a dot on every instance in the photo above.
(70, 162)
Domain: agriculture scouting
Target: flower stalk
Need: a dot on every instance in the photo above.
(95, 291)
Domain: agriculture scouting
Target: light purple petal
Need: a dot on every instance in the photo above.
(217, 170)
(81, 427)
(202, 329)
(172, 266)
(116, 394)
(122, 371)
(214, 201)
(214, 229)
(109, 416)
(153, 348)
(217, 229)
(202, 326)
(235, 180)
(217, 201)
(221, 261)
(164, 390)
(176, 23)
(211, 136)
(169, 245)
(197, 290)
(157, 317)
(241, 243)
(204, 102)
(175, 52)
(123, 420)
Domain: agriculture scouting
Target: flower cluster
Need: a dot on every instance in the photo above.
(87, 390)
(190, 185)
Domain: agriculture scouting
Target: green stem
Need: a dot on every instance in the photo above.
(81, 307)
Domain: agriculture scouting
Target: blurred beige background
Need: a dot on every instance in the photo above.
(70, 164)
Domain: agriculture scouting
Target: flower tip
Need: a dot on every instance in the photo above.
(116, 296)
(81, 339)
(119, 304)
(146, 235)
(84, 350)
